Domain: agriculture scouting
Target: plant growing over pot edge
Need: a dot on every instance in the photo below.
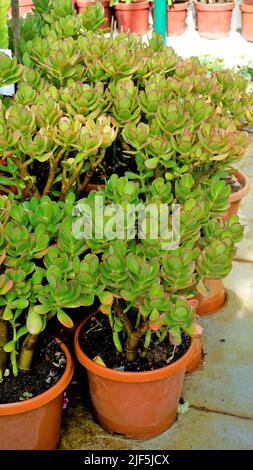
(145, 289)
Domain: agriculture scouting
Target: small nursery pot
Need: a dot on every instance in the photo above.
(35, 424)
(82, 5)
(214, 300)
(247, 20)
(214, 20)
(133, 17)
(235, 198)
(136, 404)
(176, 18)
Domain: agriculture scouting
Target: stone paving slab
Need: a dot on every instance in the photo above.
(195, 430)
(226, 382)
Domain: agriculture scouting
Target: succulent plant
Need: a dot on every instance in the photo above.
(44, 271)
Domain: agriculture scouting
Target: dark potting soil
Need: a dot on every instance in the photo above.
(234, 183)
(48, 367)
(96, 340)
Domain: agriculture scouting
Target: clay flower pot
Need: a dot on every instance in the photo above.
(247, 20)
(176, 18)
(235, 198)
(35, 424)
(214, 300)
(133, 17)
(136, 404)
(25, 6)
(214, 20)
(82, 5)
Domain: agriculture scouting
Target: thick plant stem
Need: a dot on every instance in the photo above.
(127, 326)
(30, 186)
(3, 341)
(53, 169)
(133, 341)
(89, 174)
(67, 186)
(27, 352)
(15, 25)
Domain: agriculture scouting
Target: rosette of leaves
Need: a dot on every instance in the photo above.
(93, 19)
(125, 103)
(156, 90)
(10, 70)
(60, 60)
(121, 59)
(83, 100)
(172, 117)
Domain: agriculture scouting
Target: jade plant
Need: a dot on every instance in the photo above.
(53, 141)
(147, 287)
(90, 105)
(43, 272)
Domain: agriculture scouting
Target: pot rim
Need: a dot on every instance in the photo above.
(243, 178)
(132, 377)
(44, 398)
(246, 8)
(214, 6)
(141, 5)
(82, 3)
(178, 6)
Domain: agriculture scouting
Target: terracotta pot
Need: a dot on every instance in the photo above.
(247, 21)
(136, 404)
(235, 198)
(82, 5)
(214, 20)
(35, 424)
(214, 300)
(133, 17)
(25, 6)
(247, 2)
(176, 18)
(198, 359)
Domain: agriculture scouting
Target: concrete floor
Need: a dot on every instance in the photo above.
(220, 396)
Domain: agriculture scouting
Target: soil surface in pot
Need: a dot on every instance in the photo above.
(96, 340)
(48, 367)
(234, 183)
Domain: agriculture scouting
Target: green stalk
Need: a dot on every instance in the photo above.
(146, 343)
(3, 341)
(116, 340)
(14, 364)
(4, 38)
(27, 352)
